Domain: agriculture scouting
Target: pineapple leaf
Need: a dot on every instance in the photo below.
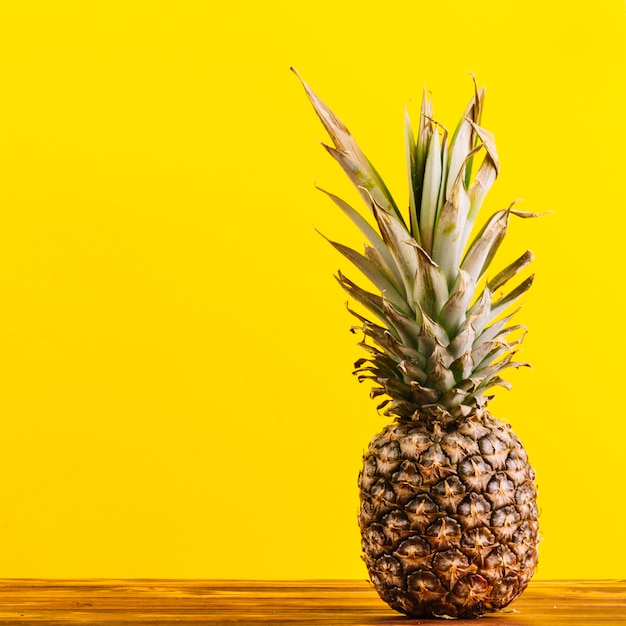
(391, 344)
(414, 183)
(440, 354)
(387, 194)
(448, 236)
(431, 190)
(381, 358)
(373, 237)
(424, 395)
(483, 360)
(464, 340)
(462, 367)
(511, 270)
(441, 378)
(430, 335)
(461, 145)
(454, 397)
(506, 301)
(431, 289)
(483, 349)
(372, 272)
(474, 116)
(454, 311)
(394, 387)
(372, 302)
(363, 180)
(491, 351)
(490, 371)
(373, 373)
(486, 176)
(387, 342)
(400, 245)
(423, 137)
(488, 384)
(480, 311)
(486, 243)
(412, 371)
(336, 129)
(406, 327)
(494, 330)
(348, 153)
(464, 137)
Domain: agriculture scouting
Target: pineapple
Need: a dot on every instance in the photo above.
(448, 512)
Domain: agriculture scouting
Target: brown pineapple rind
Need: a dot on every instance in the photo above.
(448, 516)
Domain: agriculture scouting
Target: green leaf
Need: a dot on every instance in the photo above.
(449, 228)
(430, 192)
(373, 273)
(463, 141)
(431, 290)
(441, 378)
(373, 237)
(424, 395)
(490, 371)
(463, 366)
(496, 381)
(489, 352)
(454, 397)
(400, 244)
(486, 176)
(505, 302)
(414, 183)
(511, 270)
(372, 302)
(388, 342)
(495, 330)
(395, 387)
(486, 243)
(464, 340)
(430, 336)
(460, 148)
(381, 184)
(407, 328)
(363, 180)
(380, 361)
(371, 373)
(440, 354)
(423, 136)
(480, 311)
(454, 312)
(412, 372)
(348, 153)
(475, 116)
(337, 130)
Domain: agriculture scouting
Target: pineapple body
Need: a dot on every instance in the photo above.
(448, 516)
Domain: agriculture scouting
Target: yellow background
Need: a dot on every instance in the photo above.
(175, 387)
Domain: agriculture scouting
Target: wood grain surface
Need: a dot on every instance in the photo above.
(331, 602)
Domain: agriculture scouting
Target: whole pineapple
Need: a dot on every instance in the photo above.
(448, 511)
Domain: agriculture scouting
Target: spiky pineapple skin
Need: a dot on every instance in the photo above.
(448, 516)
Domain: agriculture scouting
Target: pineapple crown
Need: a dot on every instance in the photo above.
(441, 336)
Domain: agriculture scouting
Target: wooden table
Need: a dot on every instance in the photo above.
(330, 602)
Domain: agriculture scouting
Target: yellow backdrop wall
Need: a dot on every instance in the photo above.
(175, 383)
